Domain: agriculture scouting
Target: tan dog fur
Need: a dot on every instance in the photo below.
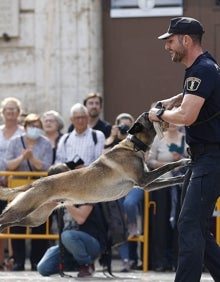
(110, 177)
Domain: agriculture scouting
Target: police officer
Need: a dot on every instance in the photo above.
(198, 108)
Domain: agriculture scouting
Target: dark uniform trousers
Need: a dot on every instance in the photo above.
(197, 246)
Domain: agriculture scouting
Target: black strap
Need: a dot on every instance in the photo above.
(67, 137)
(60, 213)
(94, 137)
(29, 165)
(138, 144)
(105, 258)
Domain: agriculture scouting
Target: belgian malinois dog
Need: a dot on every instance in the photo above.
(110, 177)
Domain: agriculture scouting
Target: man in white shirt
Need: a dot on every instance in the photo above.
(83, 145)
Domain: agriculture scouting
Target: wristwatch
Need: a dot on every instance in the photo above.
(159, 113)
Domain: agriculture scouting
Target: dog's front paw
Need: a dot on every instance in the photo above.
(185, 162)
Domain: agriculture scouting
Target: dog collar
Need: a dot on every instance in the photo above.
(138, 144)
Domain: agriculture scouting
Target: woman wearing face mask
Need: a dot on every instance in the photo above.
(30, 151)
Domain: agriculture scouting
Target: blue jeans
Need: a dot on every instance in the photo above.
(130, 204)
(196, 244)
(79, 248)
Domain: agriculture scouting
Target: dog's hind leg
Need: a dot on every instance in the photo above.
(36, 218)
(8, 194)
(24, 204)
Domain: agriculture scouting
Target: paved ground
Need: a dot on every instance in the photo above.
(125, 277)
(136, 276)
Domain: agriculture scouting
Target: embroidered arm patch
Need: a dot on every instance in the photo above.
(192, 83)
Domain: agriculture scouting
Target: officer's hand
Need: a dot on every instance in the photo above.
(152, 114)
(168, 104)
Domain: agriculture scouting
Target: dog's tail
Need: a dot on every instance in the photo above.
(8, 194)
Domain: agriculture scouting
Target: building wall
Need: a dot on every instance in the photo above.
(56, 58)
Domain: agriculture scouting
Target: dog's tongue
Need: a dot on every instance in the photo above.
(158, 128)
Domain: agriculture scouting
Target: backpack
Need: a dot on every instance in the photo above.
(115, 231)
(115, 222)
(94, 137)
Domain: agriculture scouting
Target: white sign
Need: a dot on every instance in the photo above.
(9, 17)
(146, 8)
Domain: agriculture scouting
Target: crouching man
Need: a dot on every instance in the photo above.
(80, 243)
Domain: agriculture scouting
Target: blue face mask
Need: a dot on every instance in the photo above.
(34, 132)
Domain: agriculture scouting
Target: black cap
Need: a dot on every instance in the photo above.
(183, 25)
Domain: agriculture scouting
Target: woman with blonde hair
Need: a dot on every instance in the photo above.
(10, 111)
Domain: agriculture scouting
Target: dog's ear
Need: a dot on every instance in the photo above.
(136, 127)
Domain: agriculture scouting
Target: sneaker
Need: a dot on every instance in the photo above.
(134, 266)
(132, 230)
(86, 270)
(3, 267)
(10, 262)
(17, 267)
(126, 266)
(33, 267)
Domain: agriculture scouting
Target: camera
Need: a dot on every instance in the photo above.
(123, 128)
(75, 162)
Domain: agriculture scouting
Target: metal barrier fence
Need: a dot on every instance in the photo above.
(20, 178)
(144, 238)
(218, 222)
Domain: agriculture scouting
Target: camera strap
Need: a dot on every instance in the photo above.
(29, 165)
(94, 137)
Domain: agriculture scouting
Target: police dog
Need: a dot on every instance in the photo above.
(110, 177)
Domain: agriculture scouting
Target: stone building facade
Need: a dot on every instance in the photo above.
(50, 52)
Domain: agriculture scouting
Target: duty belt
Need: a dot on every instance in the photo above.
(199, 149)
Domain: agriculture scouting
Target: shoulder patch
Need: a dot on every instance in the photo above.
(192, 83)
(217, 67)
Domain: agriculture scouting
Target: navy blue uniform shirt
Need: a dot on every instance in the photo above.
(202, 78)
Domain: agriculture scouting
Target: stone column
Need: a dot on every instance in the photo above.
(54, 58)
(68, 52)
